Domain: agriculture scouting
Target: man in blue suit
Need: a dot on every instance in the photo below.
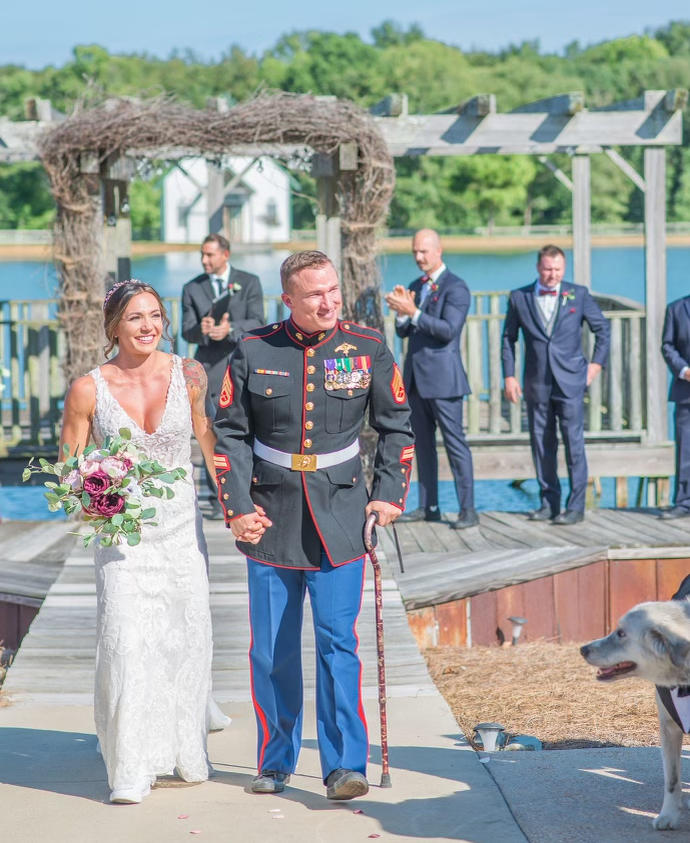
(675, 347)
(550, 313)
(431, 313)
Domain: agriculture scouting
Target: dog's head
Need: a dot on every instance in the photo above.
(651, 641)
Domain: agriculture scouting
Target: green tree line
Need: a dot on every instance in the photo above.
(451, 193)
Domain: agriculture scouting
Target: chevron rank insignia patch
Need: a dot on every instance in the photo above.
(397, 386)
(226, 390)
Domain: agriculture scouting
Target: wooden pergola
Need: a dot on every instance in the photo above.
(560, 124)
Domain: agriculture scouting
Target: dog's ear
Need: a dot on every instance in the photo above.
(664, 641)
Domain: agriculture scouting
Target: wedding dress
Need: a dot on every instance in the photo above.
(153, 657)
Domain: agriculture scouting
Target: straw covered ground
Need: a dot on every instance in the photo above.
(546, 690)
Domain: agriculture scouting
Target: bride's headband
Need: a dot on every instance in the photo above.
(133, 281)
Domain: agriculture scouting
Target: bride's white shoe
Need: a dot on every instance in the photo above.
(130, 795)
(217, 720)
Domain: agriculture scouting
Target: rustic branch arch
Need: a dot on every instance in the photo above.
(77, 153)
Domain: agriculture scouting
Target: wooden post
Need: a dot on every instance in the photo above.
(215, 197)
(328, 238)
(582, 235)
(655, 291)
(117, 231)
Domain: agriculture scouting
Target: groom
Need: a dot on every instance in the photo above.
(290, 480)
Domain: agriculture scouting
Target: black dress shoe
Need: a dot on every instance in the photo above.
(420, 514)
(467, 518)
(269, 781)
(675, 512)
(570, 516)
(543, 514)
(345, 784)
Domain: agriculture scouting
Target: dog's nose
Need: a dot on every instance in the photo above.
(584, 650)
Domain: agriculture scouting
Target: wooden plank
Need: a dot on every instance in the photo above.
(580, 603)
(483, 618)
(649, 530)
(538, 533)
(509, 602)
(452, 623)
(635, 375)
(669, 575)
(631, 581)
(582, 235)
(540, 610)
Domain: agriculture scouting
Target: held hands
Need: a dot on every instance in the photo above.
(512, 389)
(386, 511)
(213, 331)
(401, 301)
(250, 527)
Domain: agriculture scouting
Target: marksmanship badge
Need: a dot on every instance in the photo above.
(347, 373)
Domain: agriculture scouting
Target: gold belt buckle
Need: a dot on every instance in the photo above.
(303, 462)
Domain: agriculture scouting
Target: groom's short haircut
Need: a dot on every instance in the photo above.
(550, 251)
(309, 259)
(222, 242)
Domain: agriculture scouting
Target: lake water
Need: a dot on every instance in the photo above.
(615, 271)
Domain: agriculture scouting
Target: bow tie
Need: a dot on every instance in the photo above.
(426, 278)
(547, 292)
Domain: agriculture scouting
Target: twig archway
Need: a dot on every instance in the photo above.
(162, 128)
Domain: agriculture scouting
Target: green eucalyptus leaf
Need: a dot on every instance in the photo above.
(133, 539)
(148, 513)
(26, 475)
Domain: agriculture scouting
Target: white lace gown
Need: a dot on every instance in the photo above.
(154, 644)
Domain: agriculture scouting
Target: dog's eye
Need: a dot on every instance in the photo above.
(620, 633)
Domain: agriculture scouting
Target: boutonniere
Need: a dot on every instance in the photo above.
(566, 296)
(234, 288)
(433, 286)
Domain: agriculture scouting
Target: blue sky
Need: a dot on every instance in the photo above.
(43, 32)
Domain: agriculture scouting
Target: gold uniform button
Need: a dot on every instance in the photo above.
(275, 327)
(403, 470)
(346, 326)
(255, 479)
(222, 480)
(226, 496)
(230, 512)
(269, 391)
(354, 479)
(299, 336)
(400, 500)
(307, 443)
(309, 425)
(311, 370)
(310, 387)
(310, 352)
(350, 392)
(403, 485)
(309, 406)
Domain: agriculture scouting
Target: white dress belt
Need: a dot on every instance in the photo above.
(305, 462)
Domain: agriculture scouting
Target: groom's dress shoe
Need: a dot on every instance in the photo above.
(542, 514)
(346, 784)
(269, 781)
(467, 518)
(675, 512)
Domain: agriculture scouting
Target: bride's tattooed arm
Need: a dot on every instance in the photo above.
(197, 386)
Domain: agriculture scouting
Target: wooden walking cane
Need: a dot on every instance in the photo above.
(378, 600)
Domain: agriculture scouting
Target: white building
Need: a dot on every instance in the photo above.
(252, 201)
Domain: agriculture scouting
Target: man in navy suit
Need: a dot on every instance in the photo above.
(431, 314)
(219, 306)
(675, 347)
(550, 313)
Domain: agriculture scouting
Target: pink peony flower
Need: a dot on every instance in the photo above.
(97, 483)
(116, 467)
(106, 505)
(89, 466)
(73, 479)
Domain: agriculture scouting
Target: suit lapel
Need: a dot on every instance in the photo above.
(208, 290)
(565, 291)
(531, 296)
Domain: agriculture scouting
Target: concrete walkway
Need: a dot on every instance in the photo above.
(53, 785)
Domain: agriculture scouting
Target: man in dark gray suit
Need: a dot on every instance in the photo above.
(219, 306)
(550, 313)
(675, 347)
(431, 314)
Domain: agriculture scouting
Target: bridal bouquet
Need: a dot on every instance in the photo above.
(108, 485)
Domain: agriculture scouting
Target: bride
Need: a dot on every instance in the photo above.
(152, 699)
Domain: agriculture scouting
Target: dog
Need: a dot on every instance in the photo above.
(652, 642)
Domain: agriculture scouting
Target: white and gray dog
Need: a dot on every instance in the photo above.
(652, 641)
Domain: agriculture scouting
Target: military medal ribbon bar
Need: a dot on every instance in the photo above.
(347, 372)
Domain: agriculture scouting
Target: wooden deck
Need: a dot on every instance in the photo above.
(55, 663)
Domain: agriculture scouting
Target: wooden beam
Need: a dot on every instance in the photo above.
(582, 229)
(568, 104)
(626, 167)
(557, 172)
(655, 291)
(676, 99)
(393, 105)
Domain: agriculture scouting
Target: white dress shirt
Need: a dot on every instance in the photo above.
(547, 304)
(220, 282)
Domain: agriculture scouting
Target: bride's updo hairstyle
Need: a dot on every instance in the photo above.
(115, 303)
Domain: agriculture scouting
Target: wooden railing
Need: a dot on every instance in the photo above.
(31, 348)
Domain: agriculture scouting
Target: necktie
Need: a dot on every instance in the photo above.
(547, 292)
(217, 285)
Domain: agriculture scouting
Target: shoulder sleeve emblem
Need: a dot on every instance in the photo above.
(226, 391)
(397, 386)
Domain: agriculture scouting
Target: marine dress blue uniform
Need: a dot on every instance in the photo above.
(290, 413)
